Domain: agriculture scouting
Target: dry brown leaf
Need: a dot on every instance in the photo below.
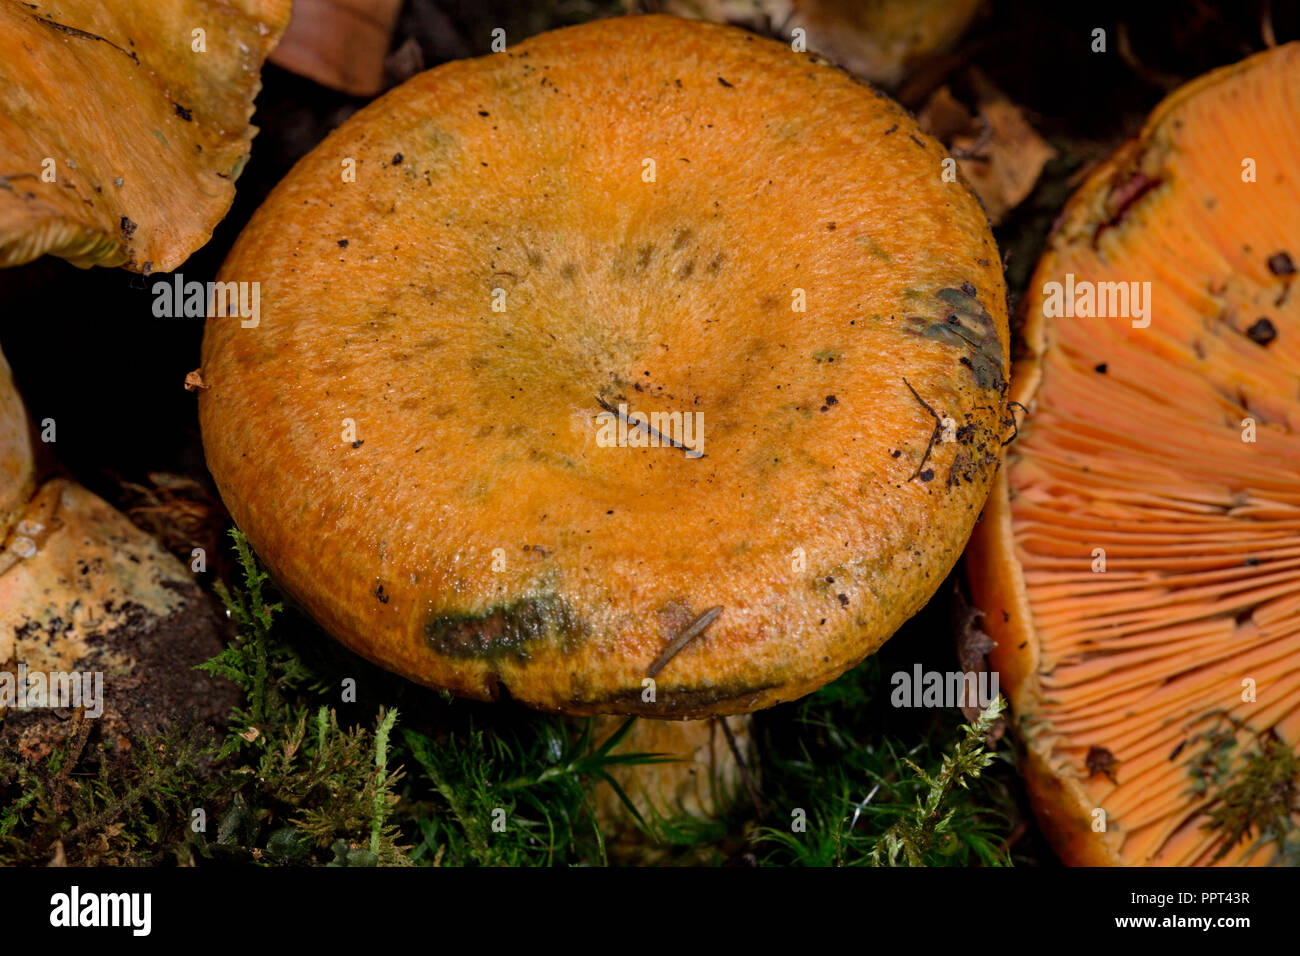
(339, 43)
(997, 150)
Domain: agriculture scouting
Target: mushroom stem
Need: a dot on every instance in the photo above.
(715, 763)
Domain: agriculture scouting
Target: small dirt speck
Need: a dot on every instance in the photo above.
(1100, 761)
(1280, 264)
(1263, 332)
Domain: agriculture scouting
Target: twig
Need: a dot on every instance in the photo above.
(985, 137)
(76, 744)
(745, 775)
(692, 630)
(938, 429)
(649, 429)
(857, 807)
(1157, 78)
(1015, 424)
(1014, 837)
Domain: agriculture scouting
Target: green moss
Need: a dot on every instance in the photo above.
(847, 783)
(304, 778)
(1253, 789)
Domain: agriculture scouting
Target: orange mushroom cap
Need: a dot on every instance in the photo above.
(124, 125)
(1139, 558)
(670, 216)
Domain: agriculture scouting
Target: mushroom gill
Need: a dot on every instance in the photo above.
(1139, 559)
